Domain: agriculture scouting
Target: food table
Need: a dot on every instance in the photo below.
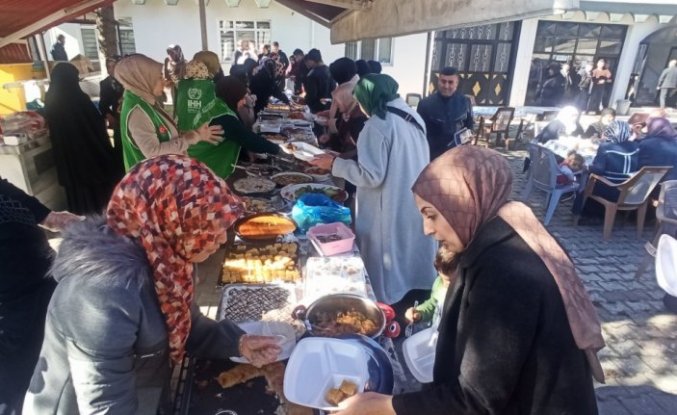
(266, 280)
(584, 146)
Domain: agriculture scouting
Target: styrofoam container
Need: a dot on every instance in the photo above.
(319, 364)
(419, 354)
(666, 264)
(345, 244)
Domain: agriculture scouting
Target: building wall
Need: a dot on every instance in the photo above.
(157, 25)
(408, 66)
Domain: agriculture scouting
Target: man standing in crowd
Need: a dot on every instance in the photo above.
(243, 53)
(298, 70)
(284, 60)
(318, 83)
(58, 50)
(667, 83)
(445, 112)
(110, 98)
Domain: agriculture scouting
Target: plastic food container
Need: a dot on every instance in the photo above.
(319, 364)
(331, 238)
(419, 354)
(330, 275)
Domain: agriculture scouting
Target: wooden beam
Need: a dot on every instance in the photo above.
(303, 12)
(81, 7)
(386, 18)
(344, 4)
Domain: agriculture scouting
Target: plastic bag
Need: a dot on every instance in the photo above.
(316, 208)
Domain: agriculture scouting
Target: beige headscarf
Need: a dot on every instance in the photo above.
(139, 74)
(210, 59)
(470, 185)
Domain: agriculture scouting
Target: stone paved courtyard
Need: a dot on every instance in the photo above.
(640, 360)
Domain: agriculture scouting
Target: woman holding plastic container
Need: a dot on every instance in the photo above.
(147, 130)
(518, 333)
(124, 307)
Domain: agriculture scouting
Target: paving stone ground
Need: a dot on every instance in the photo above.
(640, 360)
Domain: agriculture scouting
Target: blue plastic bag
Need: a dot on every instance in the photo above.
(315, 208)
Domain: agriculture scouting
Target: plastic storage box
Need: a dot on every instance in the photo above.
(331, 238)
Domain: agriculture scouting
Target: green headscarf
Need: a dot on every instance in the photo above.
(374, 91)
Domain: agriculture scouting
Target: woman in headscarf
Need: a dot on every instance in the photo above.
(617, 160)
(264, 85)
(518, 333)
(392, 150)
(659, 146)
(212, 62)
(25, 288)
(147, 130)
(85, 162)
(233, 101)
(174, 69)
(129, 278)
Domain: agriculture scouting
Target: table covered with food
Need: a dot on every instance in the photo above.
(295, 273)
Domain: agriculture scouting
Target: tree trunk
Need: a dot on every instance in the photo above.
(106, 26)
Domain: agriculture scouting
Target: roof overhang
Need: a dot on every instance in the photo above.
(385, 18)
(20, 18)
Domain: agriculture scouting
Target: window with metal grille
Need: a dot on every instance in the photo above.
(371, 49)
(233, 32)
(90, 44)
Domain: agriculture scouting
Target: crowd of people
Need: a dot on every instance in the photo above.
(517, 332)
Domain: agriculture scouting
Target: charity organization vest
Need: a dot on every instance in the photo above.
(130, 150)
(222, 157)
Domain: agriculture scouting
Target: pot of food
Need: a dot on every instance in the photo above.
(337, 314)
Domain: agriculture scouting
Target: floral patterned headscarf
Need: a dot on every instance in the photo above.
(176, 208)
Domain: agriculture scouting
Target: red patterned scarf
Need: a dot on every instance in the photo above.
(177, 209)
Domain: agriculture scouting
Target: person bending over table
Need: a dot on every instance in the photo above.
(147, 130)
(222, 157)
(518, 333)
(124, 306)
(566, 123)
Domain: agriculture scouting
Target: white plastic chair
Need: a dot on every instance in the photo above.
(666, 264)
(543, 176)
(666, 215)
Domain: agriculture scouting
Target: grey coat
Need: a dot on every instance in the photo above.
(668, 78)
(105, 349)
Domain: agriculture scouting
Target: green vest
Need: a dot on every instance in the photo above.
(130, 151)
(222, 157)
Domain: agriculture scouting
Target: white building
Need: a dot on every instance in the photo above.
(495, 61)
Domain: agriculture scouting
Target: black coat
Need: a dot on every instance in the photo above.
(616, 161)
(659, 151)
(505, 345)
(443, 117)
(318, 84)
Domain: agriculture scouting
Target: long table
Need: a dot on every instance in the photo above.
(198, 393)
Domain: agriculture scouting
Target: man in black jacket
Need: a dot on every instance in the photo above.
(318, 83)
(110, 96)
(58, 50)
(445, 112)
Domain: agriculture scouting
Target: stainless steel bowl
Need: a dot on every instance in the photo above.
(336, 303)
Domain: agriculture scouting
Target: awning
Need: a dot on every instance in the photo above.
(322, 11)
(385, 18)
(22, 18)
